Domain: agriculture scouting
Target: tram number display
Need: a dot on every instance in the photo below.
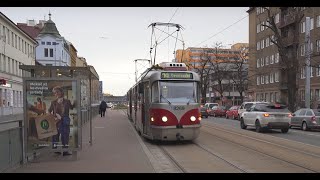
(176, 75)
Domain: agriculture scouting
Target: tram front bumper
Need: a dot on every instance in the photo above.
(172, 133)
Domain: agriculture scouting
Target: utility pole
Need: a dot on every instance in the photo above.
(307, 54)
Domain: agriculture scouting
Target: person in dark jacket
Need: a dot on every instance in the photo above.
(103, 108)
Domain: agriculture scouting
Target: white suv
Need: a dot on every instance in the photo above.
(267, 116)
(247, 105)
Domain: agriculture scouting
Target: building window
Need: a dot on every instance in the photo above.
(303, 27)
(271, 38)
(271, 97)
(318, 45)
(302, 50)
(16, 41)
(311, 48)
(267, 79)
(51, 52)
(258, 63)
(302, 73)
(262, 44)
(12, 39)
(48, 43)
(311, 74)
(267, 60)
(258, 45)
(277, 18)
(318, 21)
(267, 42)
(262, 79)
(276, 77)
(271, 77)
(262, 26)
(54, 43)
(45, 52)
(262, 62)
(312, 23)
(272, 59)
(276, 58)
(43, 43)
(317, 93)
(318, 71)
(302, 95)
(258, 80)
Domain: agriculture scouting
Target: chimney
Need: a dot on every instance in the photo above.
(31, 22)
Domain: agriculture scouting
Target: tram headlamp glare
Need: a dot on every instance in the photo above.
(152, 119)
(164, 119)
(192, 118)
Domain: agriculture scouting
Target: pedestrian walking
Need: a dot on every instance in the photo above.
(103, 108)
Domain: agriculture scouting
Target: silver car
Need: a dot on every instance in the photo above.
(267, 116)
(306, 119)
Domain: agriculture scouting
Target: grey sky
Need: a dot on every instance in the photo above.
(128, 36)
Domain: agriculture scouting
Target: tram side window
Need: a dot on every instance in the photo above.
(155, 92)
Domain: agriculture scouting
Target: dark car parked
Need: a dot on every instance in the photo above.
(306, 119)
(204, 112)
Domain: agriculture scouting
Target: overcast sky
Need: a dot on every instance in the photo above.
(111, 38)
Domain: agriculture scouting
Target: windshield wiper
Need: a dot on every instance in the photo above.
(165, 99)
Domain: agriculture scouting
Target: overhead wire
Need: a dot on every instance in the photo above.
(223, 30)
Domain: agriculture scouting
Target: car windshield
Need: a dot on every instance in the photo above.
(178, 92)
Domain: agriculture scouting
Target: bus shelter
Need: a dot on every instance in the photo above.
(59, 105)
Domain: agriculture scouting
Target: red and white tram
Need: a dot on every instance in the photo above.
(164, 104)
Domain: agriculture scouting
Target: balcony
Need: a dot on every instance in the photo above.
(286, 20)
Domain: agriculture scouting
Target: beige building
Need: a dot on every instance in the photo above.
(81, 62)
(16, 48)
(266, 81)
(73, 54)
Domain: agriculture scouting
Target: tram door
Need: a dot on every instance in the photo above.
(146, 107)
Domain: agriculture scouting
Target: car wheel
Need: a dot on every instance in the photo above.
(233, 117)
(284, 130)
(242, 125)
(258, 126)
(227, 117)
(305, 126)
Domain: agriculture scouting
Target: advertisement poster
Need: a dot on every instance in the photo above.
(52, 120)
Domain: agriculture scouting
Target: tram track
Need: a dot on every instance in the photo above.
(286, 154)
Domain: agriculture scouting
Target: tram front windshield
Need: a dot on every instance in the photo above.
(177, 92)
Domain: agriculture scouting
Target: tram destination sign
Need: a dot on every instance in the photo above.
(176, 75)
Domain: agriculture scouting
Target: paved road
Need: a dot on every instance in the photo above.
(308, 137)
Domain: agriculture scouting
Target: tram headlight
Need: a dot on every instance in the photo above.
(192, 118)
(152, 119)
(164, 119)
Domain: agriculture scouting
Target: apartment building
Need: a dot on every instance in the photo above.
(16, 48)
(267, 81)
(194, 57)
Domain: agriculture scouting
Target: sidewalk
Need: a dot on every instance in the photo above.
(115, 149)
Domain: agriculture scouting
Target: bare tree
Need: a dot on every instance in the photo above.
(203, 68)
(285, 37)
(239, 71)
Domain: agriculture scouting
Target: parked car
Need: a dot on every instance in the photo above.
(217, 111)
(247, 105)
(267, 116)
(306, 119)
(210, 105)
(110, 105)
(204, 111)
(232, 112)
